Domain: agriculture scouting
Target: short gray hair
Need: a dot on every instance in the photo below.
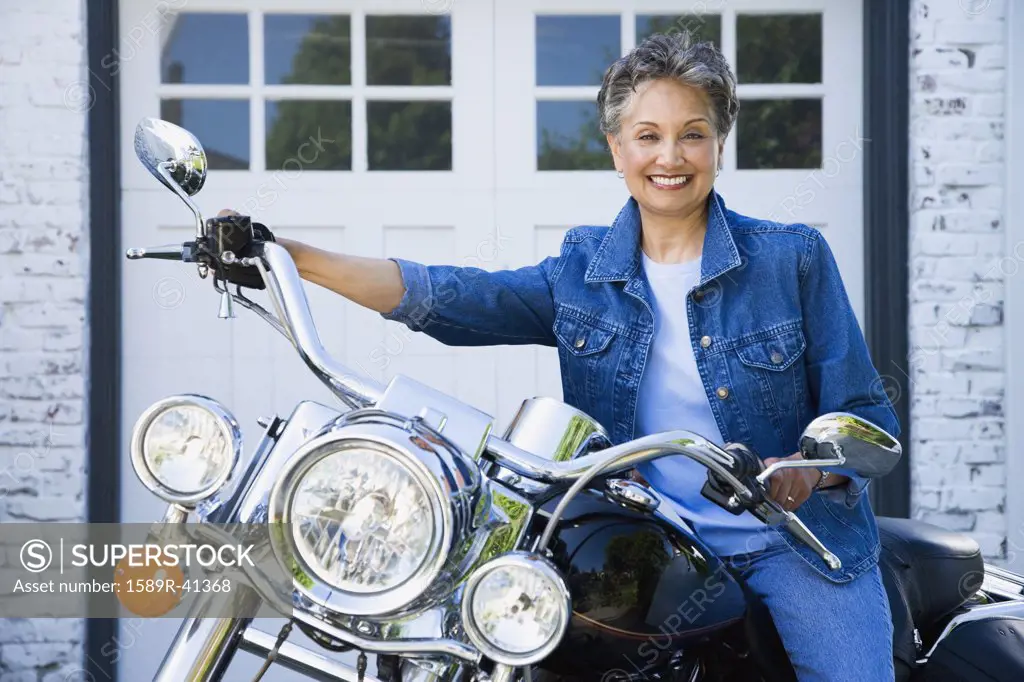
(670, 55)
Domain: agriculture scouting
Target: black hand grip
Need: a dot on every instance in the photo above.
(242, 237)
(746, 466)
(229, 233)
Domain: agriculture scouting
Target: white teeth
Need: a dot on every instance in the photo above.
(670, 181)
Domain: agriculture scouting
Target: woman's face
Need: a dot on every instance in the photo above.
(667, 147)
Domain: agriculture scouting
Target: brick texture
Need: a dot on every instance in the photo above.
(43, 251)
(959, 267)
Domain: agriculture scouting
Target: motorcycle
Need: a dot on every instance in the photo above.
(412, 532)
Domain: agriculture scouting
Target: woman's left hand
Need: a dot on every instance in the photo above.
(791, 487)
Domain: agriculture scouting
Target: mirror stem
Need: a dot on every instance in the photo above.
(799, 464)
(165, 171)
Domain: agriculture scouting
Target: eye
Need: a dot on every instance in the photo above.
(693, 136)
(647, 136)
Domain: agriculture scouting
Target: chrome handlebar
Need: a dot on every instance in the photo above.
(295, 321)
(289, 299)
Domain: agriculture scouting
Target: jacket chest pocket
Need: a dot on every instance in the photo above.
(769, 374)
(584, 355)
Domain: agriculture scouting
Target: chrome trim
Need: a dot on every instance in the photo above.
(464, 426)
(175, 514)
(249, 505)
(628, 455)
(502, 673)
(532, 562)
(403, 647)
(799, 464)
(204, 645)
(229, 427)
(1013, 610)
(300, 659)
(284, 286)
(866, 448)
(623, 456)
(555, 430)
(175, 157)
(631, 494)
(1002, 583)
(164, 252)
(451, 489)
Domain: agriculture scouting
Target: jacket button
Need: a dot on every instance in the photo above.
(722, 392)
(777, 358)
(698, 295)
(705, 341)
(580, 342)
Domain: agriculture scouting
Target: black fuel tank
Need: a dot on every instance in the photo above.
(642, 589)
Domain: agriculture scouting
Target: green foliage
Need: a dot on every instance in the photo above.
(310, 135)
(701, 27)
(402, 50)
(587, 150)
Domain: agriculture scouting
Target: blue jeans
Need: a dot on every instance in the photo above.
(832, 632)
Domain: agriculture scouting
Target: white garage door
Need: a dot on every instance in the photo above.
(447, 132)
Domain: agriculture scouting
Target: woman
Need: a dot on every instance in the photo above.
(684, 314)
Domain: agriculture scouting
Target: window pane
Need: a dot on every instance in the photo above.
(410, 135)
(783, 133)
(220, 125)
(408, 50)
(576, 50)
(702, 27)
(205, 48)
(784, 48)
(568, 137)
(307, 48)
(309, 135)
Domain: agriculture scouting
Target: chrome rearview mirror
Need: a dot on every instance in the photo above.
(174, 156)
(864, 447)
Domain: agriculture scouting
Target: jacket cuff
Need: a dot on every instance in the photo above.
(414, 308)
(851, 492)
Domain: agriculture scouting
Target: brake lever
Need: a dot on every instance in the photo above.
(748, 467)
(185, 252)
(771, 513)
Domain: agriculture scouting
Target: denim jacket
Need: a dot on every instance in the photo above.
(772, 329)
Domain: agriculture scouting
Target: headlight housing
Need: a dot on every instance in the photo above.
(364, 517)
(185, 447)
(516, 608)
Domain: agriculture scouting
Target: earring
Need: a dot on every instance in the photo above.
(620, 174)
(718, 171)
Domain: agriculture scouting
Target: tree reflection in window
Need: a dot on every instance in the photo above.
(569, 137)
(701, 27)
(402, 135)
(309, 135)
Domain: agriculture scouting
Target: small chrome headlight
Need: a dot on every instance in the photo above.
(516, 608)
(185, 447)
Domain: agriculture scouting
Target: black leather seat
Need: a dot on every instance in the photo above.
(938, 570)
(927, 572)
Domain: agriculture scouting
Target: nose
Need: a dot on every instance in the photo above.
(670, 153)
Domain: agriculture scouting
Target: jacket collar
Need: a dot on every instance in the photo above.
(618, 256)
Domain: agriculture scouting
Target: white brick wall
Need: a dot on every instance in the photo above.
(43, 250)
(959, 266)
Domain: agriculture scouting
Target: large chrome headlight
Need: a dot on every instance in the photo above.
(185, 447)
(516, 608)
(364, 518)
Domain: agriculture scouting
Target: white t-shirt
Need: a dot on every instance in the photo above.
(672, 396)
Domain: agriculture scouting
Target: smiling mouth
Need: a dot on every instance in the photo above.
(670, 181)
